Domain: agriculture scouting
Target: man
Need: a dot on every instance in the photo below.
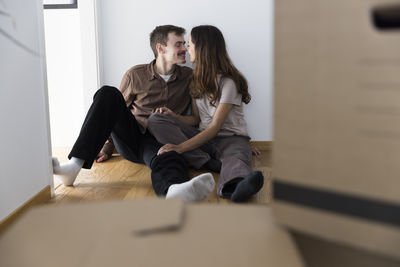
(123, 115)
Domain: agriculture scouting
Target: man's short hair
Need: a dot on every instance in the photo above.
(160, 35)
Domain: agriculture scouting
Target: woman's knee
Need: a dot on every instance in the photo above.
(236, 156)
(158, 118)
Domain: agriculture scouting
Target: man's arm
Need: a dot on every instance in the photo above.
(126, 89)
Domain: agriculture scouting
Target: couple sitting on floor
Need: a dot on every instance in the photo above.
(147, 120)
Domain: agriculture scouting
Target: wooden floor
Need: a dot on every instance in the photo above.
(118, 178)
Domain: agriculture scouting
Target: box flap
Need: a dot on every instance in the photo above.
(211, 235)
(65, 234)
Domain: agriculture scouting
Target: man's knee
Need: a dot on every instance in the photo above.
(107, 92)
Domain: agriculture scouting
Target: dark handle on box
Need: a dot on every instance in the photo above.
(386, 17)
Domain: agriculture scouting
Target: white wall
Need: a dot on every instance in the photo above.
(124, 27)
(25, 161)
(64, 72)
(90, 53)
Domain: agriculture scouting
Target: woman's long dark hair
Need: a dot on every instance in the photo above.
(212, 59)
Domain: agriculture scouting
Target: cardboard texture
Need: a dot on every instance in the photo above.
(150, 232)
(319, 252)
(337, 131)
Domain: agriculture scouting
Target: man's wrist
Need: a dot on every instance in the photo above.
(108, 154)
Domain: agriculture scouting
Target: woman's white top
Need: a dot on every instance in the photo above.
(234, 123)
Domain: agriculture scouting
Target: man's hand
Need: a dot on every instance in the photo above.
(169, 147)
(165, 110)
(102, 157)
(255, 151)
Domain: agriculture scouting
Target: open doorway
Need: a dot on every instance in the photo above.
(71, 60)
(64, 73)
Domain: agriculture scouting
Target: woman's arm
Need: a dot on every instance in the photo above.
(193, 119)
(204, 136)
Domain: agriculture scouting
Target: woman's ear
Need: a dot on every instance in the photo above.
(160, 48)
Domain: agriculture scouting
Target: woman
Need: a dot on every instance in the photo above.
(218, 90)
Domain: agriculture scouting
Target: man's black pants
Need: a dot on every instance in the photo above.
(109, 115)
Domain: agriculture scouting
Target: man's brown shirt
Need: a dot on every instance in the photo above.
(144, 90)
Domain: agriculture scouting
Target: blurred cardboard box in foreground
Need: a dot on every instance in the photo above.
(336, 151)
(150, 232)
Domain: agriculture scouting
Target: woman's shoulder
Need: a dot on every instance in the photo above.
(228, 91)
(226, 83)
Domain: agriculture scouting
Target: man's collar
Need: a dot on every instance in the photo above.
(152, 72)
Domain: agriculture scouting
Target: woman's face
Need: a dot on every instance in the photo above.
(191, 50)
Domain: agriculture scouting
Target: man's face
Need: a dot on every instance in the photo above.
(175, 50)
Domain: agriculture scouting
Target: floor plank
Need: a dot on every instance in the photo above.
(118, 178)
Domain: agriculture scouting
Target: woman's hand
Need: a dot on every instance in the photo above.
(165, 110)
(169, 147)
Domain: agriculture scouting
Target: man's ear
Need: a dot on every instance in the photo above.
(159, 48)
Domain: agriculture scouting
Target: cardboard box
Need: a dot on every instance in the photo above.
(336, 154)
(150, 232)
(319, 252)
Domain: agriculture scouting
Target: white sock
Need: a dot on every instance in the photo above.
(67, 172)
(196, 189)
